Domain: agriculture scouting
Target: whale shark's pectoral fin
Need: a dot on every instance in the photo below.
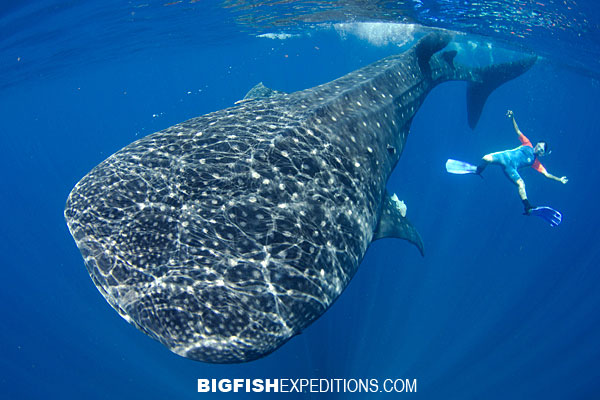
(394, 224)
(488, 79)
(259, 91)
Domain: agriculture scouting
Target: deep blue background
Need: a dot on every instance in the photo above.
(501, 306)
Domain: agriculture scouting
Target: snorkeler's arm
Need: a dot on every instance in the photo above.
(562, 179)
(522, 137)
(540, 168)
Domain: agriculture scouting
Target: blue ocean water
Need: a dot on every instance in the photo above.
(501, 306)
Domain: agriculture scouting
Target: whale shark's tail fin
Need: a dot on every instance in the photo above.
(482, 81)
(487, 79)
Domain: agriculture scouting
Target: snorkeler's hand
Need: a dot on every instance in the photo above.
(509, 114)
(564, 179)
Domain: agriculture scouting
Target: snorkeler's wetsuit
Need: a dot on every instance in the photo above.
(513, 160)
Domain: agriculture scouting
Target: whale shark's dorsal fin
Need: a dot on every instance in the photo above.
(489, 79)
(260, 91)
(394, 224)
(449, 57)
(427, 47)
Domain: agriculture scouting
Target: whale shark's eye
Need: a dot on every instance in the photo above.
(391, 149)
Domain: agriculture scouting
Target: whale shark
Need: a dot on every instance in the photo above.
(225, 235)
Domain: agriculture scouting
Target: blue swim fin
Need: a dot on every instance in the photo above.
(460, 167)
(548, 214)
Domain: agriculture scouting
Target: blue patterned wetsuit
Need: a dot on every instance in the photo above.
(513, 160)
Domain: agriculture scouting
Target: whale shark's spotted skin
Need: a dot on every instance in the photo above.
(225, 235)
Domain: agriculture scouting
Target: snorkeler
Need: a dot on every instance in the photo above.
(511, 161)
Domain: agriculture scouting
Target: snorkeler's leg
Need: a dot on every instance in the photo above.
(487, 159)
(548, 214)
(523, 194)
